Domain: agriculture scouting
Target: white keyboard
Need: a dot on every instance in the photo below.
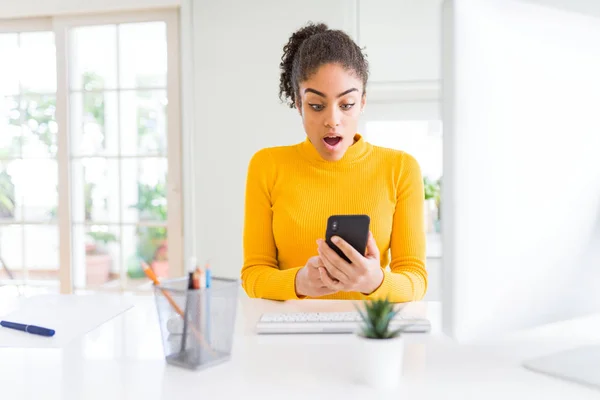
(330, 322)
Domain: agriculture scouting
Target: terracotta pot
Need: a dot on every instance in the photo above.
(160, 268)
(97, 268)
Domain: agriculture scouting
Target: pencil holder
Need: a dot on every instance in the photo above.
(197, 325)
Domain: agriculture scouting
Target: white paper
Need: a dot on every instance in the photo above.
(71, 316)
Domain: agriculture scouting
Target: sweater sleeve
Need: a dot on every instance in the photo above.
(407, 279)
(260, 275)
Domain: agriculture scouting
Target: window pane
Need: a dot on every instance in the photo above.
(37, 62)
(38, 186)
(148, 244)
(93, 57)
(144, 122)
(144, 189)
(11, 250)
(41, 251)
(9, 67)
(10, 127)
(143, 55)
(96, 255)
(95, 190)
(11, 174)
(94, 123)
(39, 125)
(421, 139)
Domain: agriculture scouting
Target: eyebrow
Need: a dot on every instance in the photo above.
(323, 95)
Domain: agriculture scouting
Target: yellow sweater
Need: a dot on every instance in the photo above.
(292, 190)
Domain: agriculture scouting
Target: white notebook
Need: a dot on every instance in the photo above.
(71, 316)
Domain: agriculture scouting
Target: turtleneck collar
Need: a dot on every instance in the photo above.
(355, 152)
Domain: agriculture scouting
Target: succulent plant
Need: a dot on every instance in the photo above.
(376, 316)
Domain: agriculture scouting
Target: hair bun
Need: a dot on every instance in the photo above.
(311, 47)
(290, 50)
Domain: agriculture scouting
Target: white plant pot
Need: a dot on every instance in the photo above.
(381, 361)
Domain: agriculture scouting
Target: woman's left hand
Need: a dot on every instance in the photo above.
(363, 275)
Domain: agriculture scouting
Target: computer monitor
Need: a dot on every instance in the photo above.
(521, 186)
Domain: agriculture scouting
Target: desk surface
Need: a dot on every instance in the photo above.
(123, 359)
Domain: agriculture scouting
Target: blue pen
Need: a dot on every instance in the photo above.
(36, 330)
(208, 276)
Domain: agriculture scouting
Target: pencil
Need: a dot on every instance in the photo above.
(150, 274)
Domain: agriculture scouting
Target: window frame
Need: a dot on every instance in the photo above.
(60, 26)
(26, 25)
(18, 26)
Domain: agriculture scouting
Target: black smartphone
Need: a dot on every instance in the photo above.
(354, 229)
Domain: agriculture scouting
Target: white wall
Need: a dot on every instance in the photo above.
(401, 39)
(42, 8)
(237, 50)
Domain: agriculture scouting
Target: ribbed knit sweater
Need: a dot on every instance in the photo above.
(290, 193)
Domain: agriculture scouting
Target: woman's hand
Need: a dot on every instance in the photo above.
(364, 275)
(308, 279)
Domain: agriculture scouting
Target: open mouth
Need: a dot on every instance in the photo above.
(332, 141)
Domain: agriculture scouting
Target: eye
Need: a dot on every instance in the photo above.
(347, 106)
(316, 107)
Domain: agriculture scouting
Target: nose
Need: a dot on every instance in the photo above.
(333, 117)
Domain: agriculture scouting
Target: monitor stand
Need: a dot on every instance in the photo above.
(580, 365)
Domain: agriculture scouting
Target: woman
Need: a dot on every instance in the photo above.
(292, 190)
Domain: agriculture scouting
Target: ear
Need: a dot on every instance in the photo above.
(299, 106)
(363, 102)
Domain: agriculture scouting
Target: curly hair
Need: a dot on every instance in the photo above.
(311, 47)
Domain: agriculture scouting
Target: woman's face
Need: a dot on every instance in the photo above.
(330, 102)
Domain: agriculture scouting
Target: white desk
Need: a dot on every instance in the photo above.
(123, 359)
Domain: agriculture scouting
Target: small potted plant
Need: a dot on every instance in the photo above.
(153, 244)
(432, 199)
(382, 348)
(98, 259)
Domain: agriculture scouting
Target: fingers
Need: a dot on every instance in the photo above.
(327, 272)
(320, 288)
(314, 262)
(332, 270)
(314, 280)
(347, 249)
(328, 254)
(336, 274)
(335, 285)
(336, 266)
(314, 277)
(372, 249)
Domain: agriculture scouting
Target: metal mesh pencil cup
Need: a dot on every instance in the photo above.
(197, 326)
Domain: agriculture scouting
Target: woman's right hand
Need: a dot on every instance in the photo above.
(308, 279)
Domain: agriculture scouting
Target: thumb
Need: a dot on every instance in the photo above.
(312, 262)
(372, 249)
